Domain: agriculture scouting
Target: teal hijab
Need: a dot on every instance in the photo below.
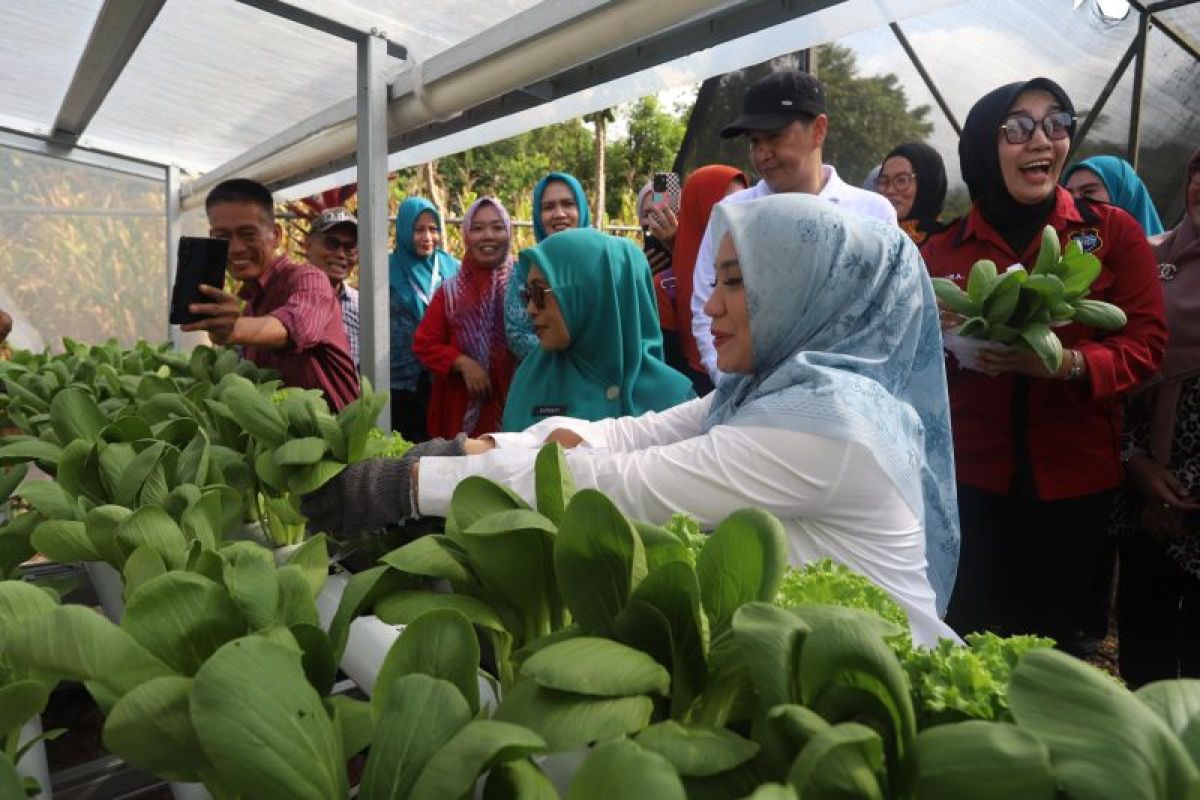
(614, 365)
(413, 278)
(585, 217)
(846, 344)
(1125, 189)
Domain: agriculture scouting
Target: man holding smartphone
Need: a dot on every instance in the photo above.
(784, 119)
(332, 247)
(291, 321)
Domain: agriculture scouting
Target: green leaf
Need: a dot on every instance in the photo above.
(1081, 269)
(421, 715)
(153, 527)
(302, 452)
(49, 498)
(355, 720)
(599, 667)
(182, 618)
(404, 607)
(843, 762)
(135, 474)
(142, 565)
(622, 769)
(518, 780)
(554, 484)
(11, 783)
(478, 746)
(151, 728)
(1045, 343)
(308, 479)
(79, 471)
(313, 558)
(511, 553)
(29, 450)
(981, 281)
(1050, 287)
(126, 429)
(19, 702)
(64, 541)
(192, 466)
(983, 761)
(359, 597)
(783, 732)
(203, 520)
(1177, 702)
(661, 546)
(257, 415)
(975, 327)
(319, 665)
(742, 562)
(252, 583)
(774, 791)
(440, 644)
(103, 524)
(263, 726)
(433, 556)
(598, 559)
(769, 640)
(475, 498)
(697, 751)
(566, 720)
(297, 603)
(1104, 742)
(1098, 314)
(77, 643)
(954, 299)
(10, 478)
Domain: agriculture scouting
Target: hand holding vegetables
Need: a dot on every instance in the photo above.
(372, 494)
(1019, 307)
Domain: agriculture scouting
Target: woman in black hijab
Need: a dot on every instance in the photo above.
(1036, 450)
(913, 179)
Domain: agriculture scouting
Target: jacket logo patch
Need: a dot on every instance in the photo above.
(1089, 239)
(549, 411)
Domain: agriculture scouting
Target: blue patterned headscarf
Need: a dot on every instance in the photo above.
(1125, 189)
(847, 345)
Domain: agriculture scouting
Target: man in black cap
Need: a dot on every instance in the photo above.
(783, 116)
(332, 247)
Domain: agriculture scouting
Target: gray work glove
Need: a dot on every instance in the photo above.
(371, 494)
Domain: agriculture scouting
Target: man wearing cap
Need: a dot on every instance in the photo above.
(332, 247)
(783, 116)
(290, 320)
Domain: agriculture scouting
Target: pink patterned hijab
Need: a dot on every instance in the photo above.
(1178, 252)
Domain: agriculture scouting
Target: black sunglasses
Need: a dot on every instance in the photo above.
(336, 243)
(536, 295)
(1019, 128)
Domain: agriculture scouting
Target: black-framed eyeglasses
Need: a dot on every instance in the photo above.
(336, 243)
(1019, 128)
(899, 182)
(536, 295)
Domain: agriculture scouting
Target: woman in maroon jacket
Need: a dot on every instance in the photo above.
(1037, 453)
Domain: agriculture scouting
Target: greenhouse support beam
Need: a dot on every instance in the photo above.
(1094, 114)
(174, 228)
(1167, 5)
(925, 76)
(374, 332)
(118, 31)
(1169, 30)
(1139, 84)
(80, 155)
(333, 27)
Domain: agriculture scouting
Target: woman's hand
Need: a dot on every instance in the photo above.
(949, 320)
(663, 225)
(565, 437)
(1020, 361)
(477, 447)
(474, 376)
(1166, 498)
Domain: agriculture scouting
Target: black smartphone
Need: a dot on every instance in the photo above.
(201, 260)
(652, 247)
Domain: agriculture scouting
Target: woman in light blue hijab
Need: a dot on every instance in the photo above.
(833, 414)
(559, 203)
(1112, 180)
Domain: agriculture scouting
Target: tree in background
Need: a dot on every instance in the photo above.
(653, 139)
(600, 122)
(868, 116)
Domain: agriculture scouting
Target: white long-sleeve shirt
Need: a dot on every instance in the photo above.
(831, 495)
(834, 189)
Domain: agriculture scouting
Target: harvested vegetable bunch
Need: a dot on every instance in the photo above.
(1019, 307)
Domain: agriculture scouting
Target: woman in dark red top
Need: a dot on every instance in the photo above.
(461, 337)
(1037, 453)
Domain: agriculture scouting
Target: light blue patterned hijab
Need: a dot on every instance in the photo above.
(846, 345)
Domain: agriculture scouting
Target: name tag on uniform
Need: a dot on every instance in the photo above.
(549, 411)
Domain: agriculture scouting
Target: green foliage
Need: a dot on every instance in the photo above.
(829, 583)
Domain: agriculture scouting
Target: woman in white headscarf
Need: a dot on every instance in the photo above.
(833, 415)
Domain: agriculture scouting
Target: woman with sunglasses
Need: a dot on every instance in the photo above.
(835, 419)
(591, 304)
(913, 179)
(1037, 454)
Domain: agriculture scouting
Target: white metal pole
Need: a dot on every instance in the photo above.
(174, 226)
(373, 217)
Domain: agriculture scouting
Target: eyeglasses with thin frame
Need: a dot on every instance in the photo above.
(536, 294)
(899, 182)
(1019, 128)
(336, 243)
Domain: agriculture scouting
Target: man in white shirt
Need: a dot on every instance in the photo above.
(784, 119)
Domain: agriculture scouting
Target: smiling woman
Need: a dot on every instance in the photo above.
(1037, 452)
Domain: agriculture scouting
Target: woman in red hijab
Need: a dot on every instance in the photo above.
(461, 338)
(703, 189)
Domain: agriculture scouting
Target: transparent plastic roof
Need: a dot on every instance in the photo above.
(212, 78)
